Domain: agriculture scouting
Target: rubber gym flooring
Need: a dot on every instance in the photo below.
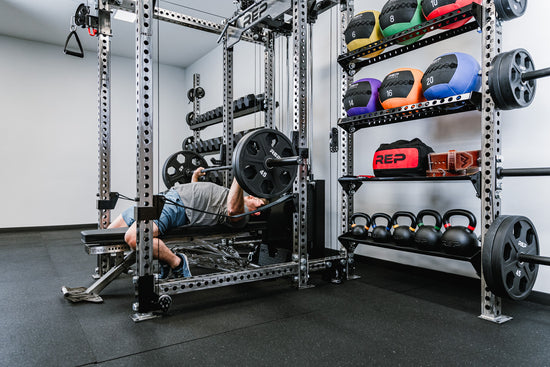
(395, 315)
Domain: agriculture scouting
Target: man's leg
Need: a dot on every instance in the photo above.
(160, 250)
(119, 222)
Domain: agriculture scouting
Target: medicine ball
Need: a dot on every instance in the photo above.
(398, 15)
(436, 8)
(363, 29)
(362, 97)
(401, 87)
(451, 74)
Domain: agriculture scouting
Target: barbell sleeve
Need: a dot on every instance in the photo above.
(536, 74)
(534, 259)
(287, 161)
(518, 172)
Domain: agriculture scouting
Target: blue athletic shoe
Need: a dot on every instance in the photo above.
(182, 270)
(164, 270)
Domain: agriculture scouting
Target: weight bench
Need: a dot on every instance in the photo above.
(108, 241)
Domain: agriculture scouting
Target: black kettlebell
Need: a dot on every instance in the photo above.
(427, 237)
(358, 230)
(459, 240)
(403, 235)
(381, 233)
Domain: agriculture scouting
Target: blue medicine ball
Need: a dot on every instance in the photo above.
(451, 74)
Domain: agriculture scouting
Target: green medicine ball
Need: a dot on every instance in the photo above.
(398, 15)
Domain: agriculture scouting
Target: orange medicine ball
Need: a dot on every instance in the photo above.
(401, 87)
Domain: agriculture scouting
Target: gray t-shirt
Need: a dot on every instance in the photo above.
(209, 197)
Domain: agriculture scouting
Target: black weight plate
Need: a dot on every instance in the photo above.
(178, 165)
(507, 88)
(250, 169)
(486, 255)
(512, 278)
(510, 9)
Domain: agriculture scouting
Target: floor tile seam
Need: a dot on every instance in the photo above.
(197, 339)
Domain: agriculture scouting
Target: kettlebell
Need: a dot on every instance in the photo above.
(459, 240)
(427, 237)
(381, 233)
(357, 230)
(403, 235)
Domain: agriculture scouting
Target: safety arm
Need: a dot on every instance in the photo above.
(235, 200)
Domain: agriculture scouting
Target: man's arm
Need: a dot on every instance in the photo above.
(197, 174)
(235, 201)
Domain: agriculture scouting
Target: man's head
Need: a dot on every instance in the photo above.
(253, 203)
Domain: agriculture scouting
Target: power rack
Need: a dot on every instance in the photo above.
(262, 30)
(487, 182)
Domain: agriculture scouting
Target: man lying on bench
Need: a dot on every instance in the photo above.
(195, 203)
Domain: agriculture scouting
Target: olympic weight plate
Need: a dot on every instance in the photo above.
(505, 84)
(249, 163)
(510, 9)
(504, 274)
(179, 167)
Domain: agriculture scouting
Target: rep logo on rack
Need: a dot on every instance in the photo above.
(252, 16)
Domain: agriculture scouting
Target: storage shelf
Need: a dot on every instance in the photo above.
(348, 241)
(351, 184)
(352, 61)
(446, 106)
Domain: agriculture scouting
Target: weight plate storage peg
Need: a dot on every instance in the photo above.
(178, 165)
(506, 273)
(253, 170)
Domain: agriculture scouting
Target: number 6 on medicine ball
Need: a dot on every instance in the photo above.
(436, 8)
(363, 29)
(451, 74)
(398, 15)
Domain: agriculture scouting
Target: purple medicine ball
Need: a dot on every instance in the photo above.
(362, 97)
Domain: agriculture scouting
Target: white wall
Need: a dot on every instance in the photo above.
(49, 150)
(522, 129)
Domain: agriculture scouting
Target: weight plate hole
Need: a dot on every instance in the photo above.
(285, 177)
(530, 237)
(517, 230)
(250, 172)
(510, 280)
(523, 285)
(253, 148)
(507, 252)
(272, 140)
(180, 158)
(267, 187)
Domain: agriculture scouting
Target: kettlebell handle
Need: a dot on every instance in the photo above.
(361, 215)
(465, 213)
(430, 213)
(381, 215)
(404, 214)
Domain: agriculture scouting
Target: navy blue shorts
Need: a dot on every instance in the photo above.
(172, 215)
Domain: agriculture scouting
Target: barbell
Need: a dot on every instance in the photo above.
(512, 79)
(264, 164)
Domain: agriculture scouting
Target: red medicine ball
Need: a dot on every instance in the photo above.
(436, 8)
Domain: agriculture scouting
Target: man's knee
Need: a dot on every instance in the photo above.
(130, 238)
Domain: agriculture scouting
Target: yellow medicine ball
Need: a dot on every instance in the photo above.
(364, 29)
